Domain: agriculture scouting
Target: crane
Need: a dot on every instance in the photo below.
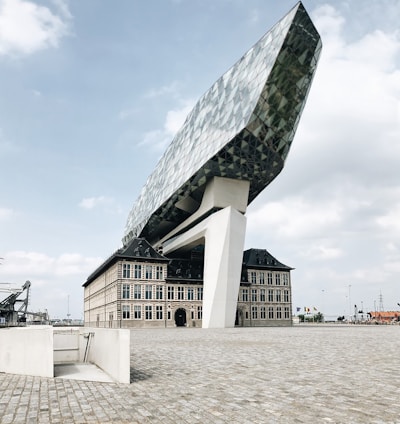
(13, 309)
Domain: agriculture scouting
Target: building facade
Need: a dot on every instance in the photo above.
(139, 288)
(232, 145)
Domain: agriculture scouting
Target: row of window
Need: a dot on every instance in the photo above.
(264, 295)
(151, 272)
(270, 312)
(140, 271)
(262, 277)
(153, 312)
(157, 292)
(156, 312)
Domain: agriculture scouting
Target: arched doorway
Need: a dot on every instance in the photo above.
(239, 318)
(180, 317)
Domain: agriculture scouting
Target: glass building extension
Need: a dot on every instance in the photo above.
(241, 128)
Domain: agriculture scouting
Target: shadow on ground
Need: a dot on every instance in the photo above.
(137, 375)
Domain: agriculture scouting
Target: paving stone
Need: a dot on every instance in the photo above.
(302, 374)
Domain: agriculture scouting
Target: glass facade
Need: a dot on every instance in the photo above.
(241, 128)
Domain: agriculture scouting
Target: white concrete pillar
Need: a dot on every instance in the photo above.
(223, 259)
(223, 234)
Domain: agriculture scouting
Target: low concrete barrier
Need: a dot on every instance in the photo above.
(27, 351)
(35, 350)
(110, 351)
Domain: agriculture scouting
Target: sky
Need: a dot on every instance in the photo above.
(92, 92)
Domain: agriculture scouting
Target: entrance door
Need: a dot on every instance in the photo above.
(180, 317)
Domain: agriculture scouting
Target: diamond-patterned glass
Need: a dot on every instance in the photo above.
(241, 128)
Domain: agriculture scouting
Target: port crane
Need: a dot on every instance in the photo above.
(13, 308)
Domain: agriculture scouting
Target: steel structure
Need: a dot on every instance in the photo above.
(13, 309)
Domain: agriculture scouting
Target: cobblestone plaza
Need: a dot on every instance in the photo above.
(300, 374)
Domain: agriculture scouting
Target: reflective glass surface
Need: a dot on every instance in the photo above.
(241, 128)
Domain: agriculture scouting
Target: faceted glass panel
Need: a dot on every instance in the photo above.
(241, 128)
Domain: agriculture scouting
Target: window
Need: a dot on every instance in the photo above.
(246, 314)
(253, 277)
(254, 312)
(137, 291)
(148, 292)
(262, 278)
(159, 312)
(126, 312)
(126, 271)
(286, 296)
(270, 312)
(278, 312)
(149, 272)
(262, 295)
(181, 293)
(285, 279)
(126, 291)
(199, 293)
(148, 312)
(137, 310)
(169, 314)
(138, 271)
(245, 295)
(159, 292)
(254, 295)
(287, 312)
(270, 295)
(269, 278)
(170, 293)
(190, 294)
(199, 312)
(191, 314)
(159, 272)
(278, 279)
(278, 296)
(262, 312)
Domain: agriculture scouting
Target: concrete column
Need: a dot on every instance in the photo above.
(223, 259)
(223, 234)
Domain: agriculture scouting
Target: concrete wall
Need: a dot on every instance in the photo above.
(110, 351)
(35, 350)
(67, 345)
(27, 351)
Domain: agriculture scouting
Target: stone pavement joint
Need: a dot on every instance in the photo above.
(301, 374)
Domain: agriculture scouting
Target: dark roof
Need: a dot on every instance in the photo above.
(137, 248)
(262, 259)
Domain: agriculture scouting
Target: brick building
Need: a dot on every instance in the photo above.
(139, 287)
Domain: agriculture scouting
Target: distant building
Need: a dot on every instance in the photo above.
(265, 295)
(385, 316)
(140, 288)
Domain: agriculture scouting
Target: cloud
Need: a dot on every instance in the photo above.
(5, 213)
(171, 89)
(127, 113)
(6, 146)
(26, 27)
(158, 139)
(22, 265)
(56, 280)
(93, 202)
(296, 217)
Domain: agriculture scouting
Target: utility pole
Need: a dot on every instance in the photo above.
(68, 314)
(350, 315)
(381, 309)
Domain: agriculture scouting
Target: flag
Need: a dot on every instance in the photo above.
(315, 309)
(298, 309)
